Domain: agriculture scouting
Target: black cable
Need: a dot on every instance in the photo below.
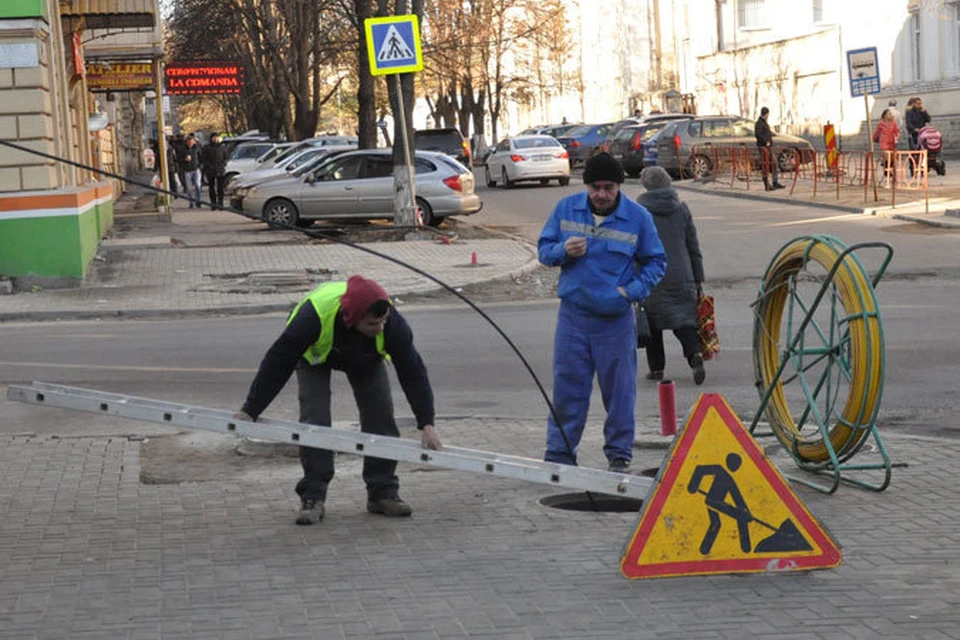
(313, 233)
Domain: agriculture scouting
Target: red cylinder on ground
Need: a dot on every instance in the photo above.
(473, 259)
(668, 408)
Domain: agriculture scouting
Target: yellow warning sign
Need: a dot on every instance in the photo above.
(720, 506)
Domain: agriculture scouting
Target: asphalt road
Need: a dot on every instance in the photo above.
(211, 361)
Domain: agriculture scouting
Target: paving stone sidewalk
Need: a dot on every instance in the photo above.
(90, 551)
(232, 265)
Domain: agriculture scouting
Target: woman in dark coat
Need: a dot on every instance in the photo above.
(673, 303)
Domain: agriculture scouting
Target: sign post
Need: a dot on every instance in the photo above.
(863, 67)
(393, 47)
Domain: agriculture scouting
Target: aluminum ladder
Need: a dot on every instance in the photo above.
(401, 449)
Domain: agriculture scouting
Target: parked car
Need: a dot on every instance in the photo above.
(650, 148)
(522, 158)
(689, 145)
(268, 172)
(581, 142)
(244, 157)
(449, 141)
(553, 130)
(359, 185)
(627, 145)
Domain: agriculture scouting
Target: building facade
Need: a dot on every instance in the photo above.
(53, 214)
(791, 56)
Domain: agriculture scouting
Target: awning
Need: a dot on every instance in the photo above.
(112, 14)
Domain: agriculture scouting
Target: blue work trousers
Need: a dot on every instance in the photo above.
(586, 344)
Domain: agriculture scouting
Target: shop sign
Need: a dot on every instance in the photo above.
(201, 78)
(120, 76)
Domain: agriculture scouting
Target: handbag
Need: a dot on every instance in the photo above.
(707, 326)
(643, 325)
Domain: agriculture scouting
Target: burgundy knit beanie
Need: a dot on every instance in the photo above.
(360, 296)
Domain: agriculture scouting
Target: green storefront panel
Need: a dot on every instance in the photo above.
(51, 247)
(23, 9)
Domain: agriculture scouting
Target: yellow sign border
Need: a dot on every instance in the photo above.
(368, 25)
(824, 553)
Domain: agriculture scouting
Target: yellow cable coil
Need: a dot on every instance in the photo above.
(866, 349)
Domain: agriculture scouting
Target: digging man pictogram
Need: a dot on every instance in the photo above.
(786, 537)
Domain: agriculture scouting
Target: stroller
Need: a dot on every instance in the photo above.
(929, 138)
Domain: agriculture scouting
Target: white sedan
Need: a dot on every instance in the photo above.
(522, 158)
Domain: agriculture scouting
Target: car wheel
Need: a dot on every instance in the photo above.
(505, 180)
(564, 182)
(544, 181)
(490, 181)
(786, 160)
(280, 213)
(426, 214)
(699, 167)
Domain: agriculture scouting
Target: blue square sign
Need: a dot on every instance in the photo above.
(864, 70)
(393, 45)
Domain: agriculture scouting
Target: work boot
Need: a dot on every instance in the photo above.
(619, 465)
(392, 507)
(655, 375)
(696, 363)
(777, 185)
(311, 512)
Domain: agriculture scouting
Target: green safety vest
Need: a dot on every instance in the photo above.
(326, 301)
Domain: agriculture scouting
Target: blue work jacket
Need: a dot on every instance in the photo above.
(623, 251)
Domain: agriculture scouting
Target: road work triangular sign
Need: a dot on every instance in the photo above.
(720, 506)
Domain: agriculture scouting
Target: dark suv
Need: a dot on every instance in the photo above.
(449, 141)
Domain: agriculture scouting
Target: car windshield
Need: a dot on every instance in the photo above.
(292, 151)
(302, 159)
(626, 133)
(246, 151)
(534, 143)
(576, 132)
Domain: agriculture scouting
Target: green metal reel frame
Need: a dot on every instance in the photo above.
(827, 354)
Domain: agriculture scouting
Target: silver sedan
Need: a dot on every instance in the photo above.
(534, 157)
(359, 185)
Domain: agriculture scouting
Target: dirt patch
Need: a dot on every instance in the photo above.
(538, 284)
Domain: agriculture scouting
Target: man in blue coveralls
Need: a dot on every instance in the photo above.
(610, 256)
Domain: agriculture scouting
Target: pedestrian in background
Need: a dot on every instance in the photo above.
(179, 145)
(897, 116)
(190, 165)
(673, 302)
(768, 160)
(351, 327)
(609, 257)
(213, 160)
(172, 167)
(886, 135)
(917, 118)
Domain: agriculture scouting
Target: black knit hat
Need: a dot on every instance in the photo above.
(603, 166)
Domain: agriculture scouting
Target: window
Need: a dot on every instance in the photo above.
(378, 167)
(955, 20)
(751, 13)
(817, 11)
(915, 45)
(717, 129)
(345, 169)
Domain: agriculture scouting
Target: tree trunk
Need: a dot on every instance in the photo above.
(366, 91)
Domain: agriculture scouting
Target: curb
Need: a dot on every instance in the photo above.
(759, 198)
(906, 217)
(201, 312)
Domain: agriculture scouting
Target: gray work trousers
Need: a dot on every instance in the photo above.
(371, 390)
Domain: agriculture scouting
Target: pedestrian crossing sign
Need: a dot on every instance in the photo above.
(719, 505)
(393, 44)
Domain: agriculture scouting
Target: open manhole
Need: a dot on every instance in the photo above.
(593, 502)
